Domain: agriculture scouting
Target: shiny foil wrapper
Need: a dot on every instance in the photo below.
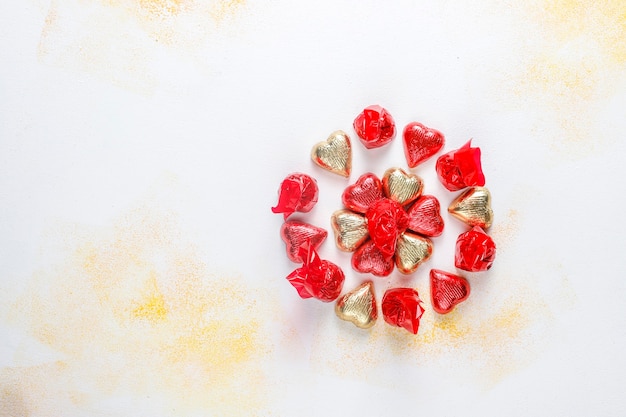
(447, 290)
(295, 234)
(358, 306)
(350, 229)
(334, 154)
(473, 207)
(412, 250)
(401, 186)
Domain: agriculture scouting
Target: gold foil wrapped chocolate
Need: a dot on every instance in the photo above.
(411, 251)
(358, 306)
(350, 229)
(473, 207)
(401, 186)
(334, 154)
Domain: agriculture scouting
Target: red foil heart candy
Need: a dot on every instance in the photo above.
(425, 217)
(460, 168)
(375, 127)
(295, 234)
(317, 278)
(402, 308)
(368, 258)
(475, 251)
(420, 143)
(363, 193)
(297, 192)
(386, 220)
(447, 290)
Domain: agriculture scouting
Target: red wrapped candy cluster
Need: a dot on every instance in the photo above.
(388, 224)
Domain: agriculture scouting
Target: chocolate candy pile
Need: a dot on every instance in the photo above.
(387, 223)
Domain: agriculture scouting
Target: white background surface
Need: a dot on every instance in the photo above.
(190, 113)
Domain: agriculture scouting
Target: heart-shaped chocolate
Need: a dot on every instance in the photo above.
(401, 186)
(295, 234)
(335, 154)
(411, 251)
(447, 290)
(350, 229)
(420, 143)
(473, 207)
(365, 191)
(358, 306)
(425, 217)
(368, 258)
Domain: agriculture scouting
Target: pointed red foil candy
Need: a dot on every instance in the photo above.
(475, 251)
(298, 192)
(420, 143)
(369, 259)
(460, 168)
(386, 220)
(317, 278)
(375, 127)
(362, 194)
(402, 308)
(425, 216)
(447, 290)
(295, 234)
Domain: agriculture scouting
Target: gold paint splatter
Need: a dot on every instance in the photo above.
(134, 312)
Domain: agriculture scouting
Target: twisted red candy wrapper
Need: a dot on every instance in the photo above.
(402, 308)
(298, 192)
(420, 143)
(460, 168)
(447, 290)
(386, 220)
(316, 278)
(375, 127)
(475, 251)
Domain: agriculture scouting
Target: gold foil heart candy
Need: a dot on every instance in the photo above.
(358, 306)
(411, 251)
(401, 186)
(335, 154)
(473, 207)
(350, 229)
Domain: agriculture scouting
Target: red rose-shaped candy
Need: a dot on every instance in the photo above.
(386, 220)
(359, 196)
(475, 251)
(420, 143)
(298, 192)
(375, 127)
(424, 216)
(402, 308)
(447, 290)
(460, 168)
(317, 278)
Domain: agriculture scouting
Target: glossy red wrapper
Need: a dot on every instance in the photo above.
(425, 216)
(363, 193)
(460, 168)
(475, 251)
(420, 143)
(375, 127)
(447, 290)
(402, 307)
(369, 259)
(296, 234)
(298, 192)
(317, 278)
(386, 220)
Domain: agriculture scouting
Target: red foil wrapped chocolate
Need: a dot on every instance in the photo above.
(460, 168)
(402, 307)
(386, 220)
(296, 234)
(425, 216)
(363, 193)
(375, 127)
(447, 290)
(420, 143)
(475, 251)
(317, 278)
(297, 192)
